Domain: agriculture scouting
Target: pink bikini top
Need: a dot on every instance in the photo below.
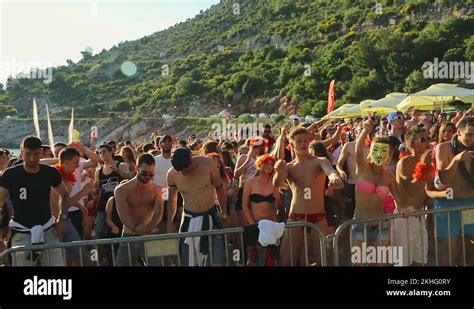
(366, 187)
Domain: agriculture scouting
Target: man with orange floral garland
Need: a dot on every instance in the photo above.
(413, 176)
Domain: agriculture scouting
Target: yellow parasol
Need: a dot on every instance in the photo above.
(344, 111)
(436, 97)
(384, 106)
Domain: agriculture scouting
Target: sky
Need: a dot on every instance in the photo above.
(45, 33)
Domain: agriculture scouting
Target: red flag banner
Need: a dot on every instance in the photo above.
(331, 96)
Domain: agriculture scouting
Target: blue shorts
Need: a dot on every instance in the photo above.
(70, 234)
(374, 233)
(136, 252)
(441, 219)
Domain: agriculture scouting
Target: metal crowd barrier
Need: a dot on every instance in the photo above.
(336, 243)
(165, 247)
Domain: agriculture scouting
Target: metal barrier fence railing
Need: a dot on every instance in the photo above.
(164, 249)
(423, 217)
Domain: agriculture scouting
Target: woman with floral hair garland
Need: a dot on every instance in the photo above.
(261, 201)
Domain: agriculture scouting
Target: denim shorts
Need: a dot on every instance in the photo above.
(70, 235)
(374, 233)
(137, 254)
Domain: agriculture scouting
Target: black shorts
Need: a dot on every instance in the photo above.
(238, 202)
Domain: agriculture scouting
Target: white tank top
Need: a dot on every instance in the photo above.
(249, 172)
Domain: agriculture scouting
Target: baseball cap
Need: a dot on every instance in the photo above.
(181, 158)
(392, 116)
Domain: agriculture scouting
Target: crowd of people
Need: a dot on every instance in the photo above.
(324, 173)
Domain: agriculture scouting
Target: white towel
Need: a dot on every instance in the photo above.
(195, 225)
(37, 235)
(270, 232)
(37, 231)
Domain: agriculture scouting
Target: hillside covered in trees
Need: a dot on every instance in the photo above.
(271, 51)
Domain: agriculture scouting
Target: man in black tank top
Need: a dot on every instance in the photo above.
(108, 177)
(29, 186)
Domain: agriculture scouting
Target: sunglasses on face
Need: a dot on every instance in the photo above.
(147, 174)
(421, 139)
(399, 118)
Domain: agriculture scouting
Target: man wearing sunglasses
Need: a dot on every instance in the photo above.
(268, 135)
(396, 123)
(413, 239)
(140, 208)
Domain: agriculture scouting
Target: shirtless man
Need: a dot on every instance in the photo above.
(306, 176)
(396, 123)
(348, 154)
(414, 120)
(205, 204)
(140, 208)
(412, 192)
(455, 161)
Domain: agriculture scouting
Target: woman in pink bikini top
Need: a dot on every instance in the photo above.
(373, 181)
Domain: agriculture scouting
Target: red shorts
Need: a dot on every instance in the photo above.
(311, 218)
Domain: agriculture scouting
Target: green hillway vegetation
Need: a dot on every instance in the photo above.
(271, 48)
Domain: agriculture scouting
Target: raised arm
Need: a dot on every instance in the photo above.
(314, 126)
(93, 157)
(281, 173)
(242, 163)
(335, 138)
(279, 148)
(361, 163)
(341, 161)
